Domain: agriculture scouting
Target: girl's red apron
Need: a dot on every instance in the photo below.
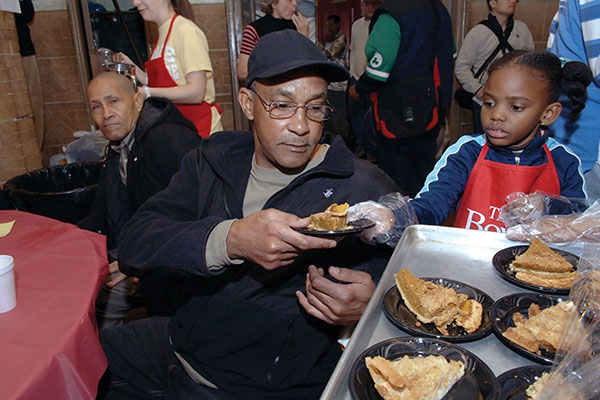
(158, 76)
(489, 184)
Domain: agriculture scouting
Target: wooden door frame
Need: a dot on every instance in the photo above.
(239, 13)
(81, 29)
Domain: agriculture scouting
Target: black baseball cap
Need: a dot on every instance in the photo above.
(284, 51)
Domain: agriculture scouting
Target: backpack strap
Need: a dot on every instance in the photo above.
(502, 42)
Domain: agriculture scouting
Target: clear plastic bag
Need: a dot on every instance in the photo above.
(89, 146)
(576, 369)
(550, 218)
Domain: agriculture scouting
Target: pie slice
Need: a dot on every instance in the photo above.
(332, 219)
(422, 378)
(542, 329)
(541, 258)
(437, 304)
(566, 390)
(470, 315)
(563, 280)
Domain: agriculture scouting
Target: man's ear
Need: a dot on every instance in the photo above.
(246, 100)
(551, 112)
(138, 98)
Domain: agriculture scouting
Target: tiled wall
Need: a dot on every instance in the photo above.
(211, 18)
(19, 149)
(64, 102)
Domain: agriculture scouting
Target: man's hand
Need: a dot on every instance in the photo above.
(113, 267)
(301, 24)
(115, 276)
(353, 94)
(268, 239)
(336, 303)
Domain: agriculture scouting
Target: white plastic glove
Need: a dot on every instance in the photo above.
(391, 214)
(382, 216)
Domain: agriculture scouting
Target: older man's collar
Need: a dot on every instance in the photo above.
(127, 142)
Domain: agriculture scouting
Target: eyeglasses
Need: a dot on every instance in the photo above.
(287, 109)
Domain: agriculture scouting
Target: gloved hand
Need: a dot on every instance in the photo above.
(391, 214)
(382, 216)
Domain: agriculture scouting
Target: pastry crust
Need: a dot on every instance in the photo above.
(437, 304)
(567, 391)
(470, 315)
(542, 329)
(556, 281)
(416, 378)
(542, 266)
(332, 219)
(541, 258)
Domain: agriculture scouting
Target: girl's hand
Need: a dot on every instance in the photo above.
(301, 24)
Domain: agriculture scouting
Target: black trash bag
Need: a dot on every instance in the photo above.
(62, 192)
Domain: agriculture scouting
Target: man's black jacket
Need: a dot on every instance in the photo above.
(162, 136)
(243, 328)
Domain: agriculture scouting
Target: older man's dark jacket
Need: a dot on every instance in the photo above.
(162, 136)
(244, 329)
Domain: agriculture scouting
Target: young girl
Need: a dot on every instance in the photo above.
(179, 67)
(520, 100)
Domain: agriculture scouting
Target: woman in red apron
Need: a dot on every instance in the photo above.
(179, 68)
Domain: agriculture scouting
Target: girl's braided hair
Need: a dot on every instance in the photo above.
(572, 79)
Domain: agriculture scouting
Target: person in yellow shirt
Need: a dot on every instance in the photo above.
(179, 68)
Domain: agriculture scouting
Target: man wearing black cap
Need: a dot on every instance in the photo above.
(268, 303)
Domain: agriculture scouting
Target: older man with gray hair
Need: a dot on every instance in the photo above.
(148, 140)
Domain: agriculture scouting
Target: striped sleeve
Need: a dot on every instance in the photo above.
(568, 169)
(575, 33)
(445, 184)
(249, 39)
(590, 27)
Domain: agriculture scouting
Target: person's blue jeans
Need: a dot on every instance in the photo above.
(142, 365)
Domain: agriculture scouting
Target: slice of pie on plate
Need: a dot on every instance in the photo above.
(566, 391)
(562, 280)
(542, 259)
(542, 329)
(433, 303)
(332, 219)
(409, 378)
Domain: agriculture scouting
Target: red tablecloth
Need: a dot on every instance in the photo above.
(49, 347)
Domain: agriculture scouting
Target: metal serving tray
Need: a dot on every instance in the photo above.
(434, 251)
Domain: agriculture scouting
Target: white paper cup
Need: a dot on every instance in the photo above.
(8, 294)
